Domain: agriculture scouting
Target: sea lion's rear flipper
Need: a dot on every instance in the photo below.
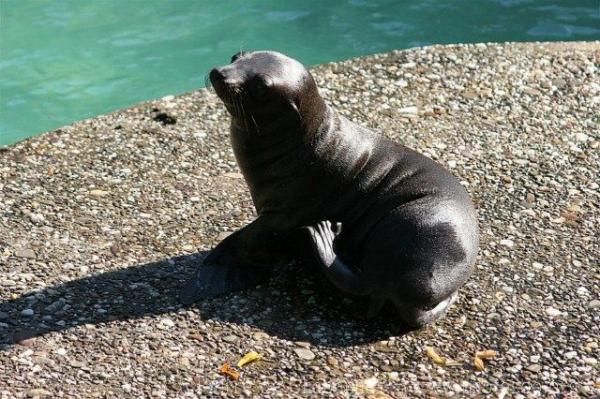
(418, 316)
(223, 271)
(323, 236)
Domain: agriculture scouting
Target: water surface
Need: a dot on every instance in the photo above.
(62, 61)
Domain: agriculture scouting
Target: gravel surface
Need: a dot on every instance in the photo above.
(102, 221)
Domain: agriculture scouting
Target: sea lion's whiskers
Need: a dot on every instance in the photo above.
(240, 94)
(255, 124)
(246, 114)
(231, 99)
(239, 106)
(242, 112)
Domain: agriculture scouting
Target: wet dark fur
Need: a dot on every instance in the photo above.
(409, 232)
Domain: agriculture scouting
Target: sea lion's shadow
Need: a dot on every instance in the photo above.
(295, 304)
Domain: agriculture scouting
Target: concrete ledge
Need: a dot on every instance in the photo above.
(102, 220)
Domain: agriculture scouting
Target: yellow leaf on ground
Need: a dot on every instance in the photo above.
(249, 357)
(487, 354)
(452, 363)
(432, 354)
(367, 390)
(479, 366)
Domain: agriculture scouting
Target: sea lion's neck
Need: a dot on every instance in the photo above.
(263, 159)
(328, 122)
(337, 141)
(313, 112)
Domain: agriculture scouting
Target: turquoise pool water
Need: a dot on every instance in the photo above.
(62, 61)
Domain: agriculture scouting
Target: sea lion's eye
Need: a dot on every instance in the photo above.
(237, 55)
(258, 88)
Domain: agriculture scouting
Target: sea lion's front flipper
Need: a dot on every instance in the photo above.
(323, 236)
(213, 279)
(242, 260)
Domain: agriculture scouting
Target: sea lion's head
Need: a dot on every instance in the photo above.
(266, 90)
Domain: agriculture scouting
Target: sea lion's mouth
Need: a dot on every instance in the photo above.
(230, 94)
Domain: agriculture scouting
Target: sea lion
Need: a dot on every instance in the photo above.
(382, 220)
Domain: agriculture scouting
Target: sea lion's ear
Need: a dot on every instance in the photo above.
(237, 55)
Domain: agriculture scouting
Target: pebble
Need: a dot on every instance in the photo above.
(534, 368)
(370, 383)
(76, 363)
(168, 322)
(593, 304)
(531, 91)
(259, 336)
(234, 175)
(3, 315)
(304, 354)
(590, 361)
(223, 236)
(38, 393)
(231, 338)
(333, 362)
(530, 198)
(409, 110)
(553, 312)
(507, 243)
(27, 253)
(27, 312)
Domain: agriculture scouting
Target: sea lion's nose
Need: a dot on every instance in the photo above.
(216, 75)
